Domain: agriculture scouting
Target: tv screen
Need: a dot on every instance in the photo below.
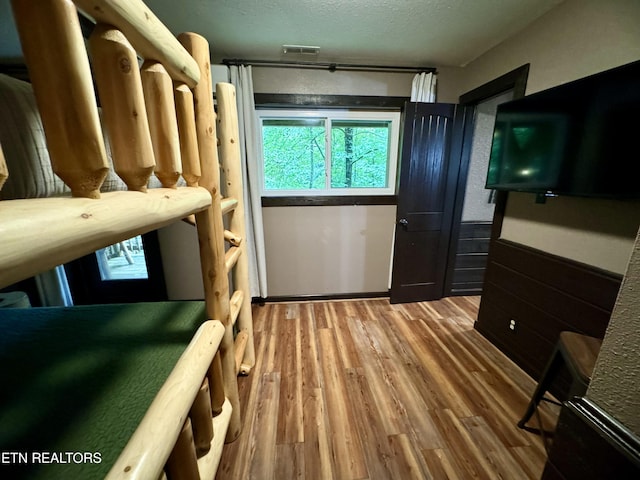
(581, 138)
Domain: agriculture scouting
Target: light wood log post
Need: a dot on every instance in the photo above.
(191, 171)
(183, 463)
(216, 385)
(148, 35)
(210, 226)
(217, 308)
(115, 65)
(163, 124)
(229, 136)
(232, 238)
(58, 66)
(201, 423)
(4, 171)
(198, 47)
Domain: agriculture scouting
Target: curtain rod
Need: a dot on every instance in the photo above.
(332, 67)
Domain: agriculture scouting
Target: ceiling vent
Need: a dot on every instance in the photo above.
(300, 50)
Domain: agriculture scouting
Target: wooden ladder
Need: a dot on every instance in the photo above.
(237, 353)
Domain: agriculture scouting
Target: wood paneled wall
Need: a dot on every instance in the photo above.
(530, 296)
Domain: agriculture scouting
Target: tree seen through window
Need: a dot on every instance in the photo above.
(313, 154)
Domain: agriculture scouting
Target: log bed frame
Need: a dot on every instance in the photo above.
(160, 118)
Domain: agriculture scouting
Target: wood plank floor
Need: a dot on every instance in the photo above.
(368, 390)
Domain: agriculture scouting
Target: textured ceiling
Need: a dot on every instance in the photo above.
(390, 32)
(386, 32)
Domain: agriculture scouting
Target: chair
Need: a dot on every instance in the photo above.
(578, 352)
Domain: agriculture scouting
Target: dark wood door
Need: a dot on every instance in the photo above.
(429, 166)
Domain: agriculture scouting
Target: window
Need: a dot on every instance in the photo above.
(123, 261)
(129, 271)
(328, 152)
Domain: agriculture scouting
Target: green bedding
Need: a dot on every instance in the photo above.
(75, 382)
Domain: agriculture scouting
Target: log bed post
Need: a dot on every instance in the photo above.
(149, 118)
(163, 124)
(58, 66)
(228, 133)
(200, 415)
(210, 226)
(216, 384)
(183, 463)
(185, 112)
(115, 66)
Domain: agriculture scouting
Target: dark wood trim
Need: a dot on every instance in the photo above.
(461, 186)
(498, 214)
(543, 294)
(590, 444)
(329, 200)
(277, 100)
(516, 80)
(297, 100)
(309, 298)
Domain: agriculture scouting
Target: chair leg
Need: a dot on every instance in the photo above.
(543, 385)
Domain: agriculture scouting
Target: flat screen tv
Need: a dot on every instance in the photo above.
(581, 138)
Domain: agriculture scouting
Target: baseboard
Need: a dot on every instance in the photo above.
(323, 297)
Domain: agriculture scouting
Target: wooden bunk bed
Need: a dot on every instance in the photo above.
(177, 361)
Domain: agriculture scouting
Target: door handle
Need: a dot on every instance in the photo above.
(404, 223)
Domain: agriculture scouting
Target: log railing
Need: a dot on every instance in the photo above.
(228, 133)
(159, 119)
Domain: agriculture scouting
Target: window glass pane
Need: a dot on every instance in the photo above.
(359, 154)
(123, 261)
(294, 154)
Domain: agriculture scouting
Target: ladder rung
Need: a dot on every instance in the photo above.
(231, 257)
(228, 204)
(235, 304)
(240, 346)
(232, 238)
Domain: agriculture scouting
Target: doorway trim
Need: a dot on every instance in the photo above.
(515, 80)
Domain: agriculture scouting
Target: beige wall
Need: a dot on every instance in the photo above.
(577, 38)
(328, 250)
(323, 82)
(181, 261)
(338, 249)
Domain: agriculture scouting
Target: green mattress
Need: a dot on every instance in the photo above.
(75, 382)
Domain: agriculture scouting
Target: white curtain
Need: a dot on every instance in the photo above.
(423, 88)
(248, 122)
(53, 288)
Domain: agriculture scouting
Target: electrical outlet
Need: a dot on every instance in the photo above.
(512, 325)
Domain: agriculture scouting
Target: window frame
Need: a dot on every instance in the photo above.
(333, 114)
